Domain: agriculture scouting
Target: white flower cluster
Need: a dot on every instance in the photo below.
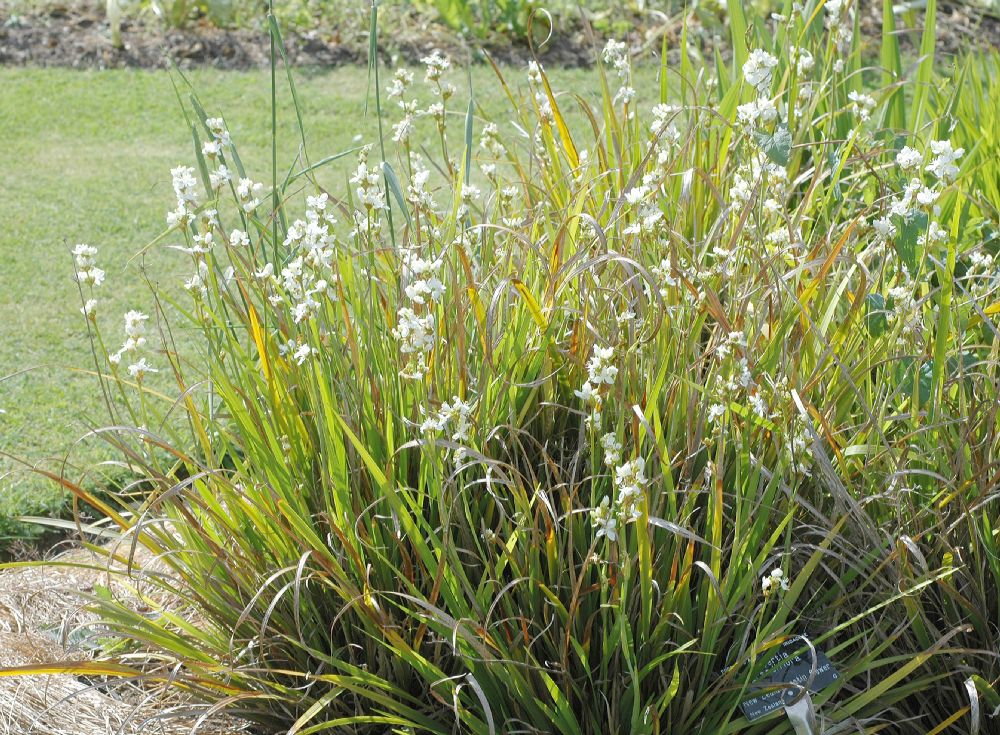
(212, 150)
(542, 104)
(982, 277)
(630, 481)
(734, 383)
(368, 183)
(184, 184)
(905, 311)
(135, 340)
(758, 70)
(616, 55)
(249, 193)
(417, 194)
(87, 272)
(423, 283)
(435, 67)
(489, 140)
(839, 20)
(943, 166)
(401, 82)
(310, 276)
(605, 520)
(415, 333)
(298, 349)
(862, 105)
(612, 449)
(454, 416)
(773, 582)
(601, 373)
(916, 199)
(664, 275)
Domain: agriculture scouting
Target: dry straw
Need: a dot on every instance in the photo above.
(43, 620)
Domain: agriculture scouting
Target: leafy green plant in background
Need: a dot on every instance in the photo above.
(180, 13)
(482, 16)
(516, 438)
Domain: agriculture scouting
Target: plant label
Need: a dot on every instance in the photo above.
(789, 665)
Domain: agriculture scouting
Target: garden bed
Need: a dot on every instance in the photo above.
(77, 36)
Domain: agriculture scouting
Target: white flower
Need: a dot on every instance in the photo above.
(135, 323)
(636, 194)
(402, 79)
(616, 54)
(401, 131)
(662, 116)
(239, 239)
(534, 72)
(470, 193)
(210, 149)
(84, 256)
(303, 353)
(249, 193)
(87, 272)
(184, 184)
(758, 69)
(625, 95)
(415, 333)
(936, 233)
(217, 127)
(220, 176)
(89, 309)
(630, 480)
(909, 158)
(805, 62)
(90, 276)
(424, 282)
(367, 180)
(587, 394)
(599, 369)
(761, 109)
(139, 369)
(490, 141)
(884, 228)
(926, 196)
(862, 104)
(716, 411)
(943, 166)
(603, 519)
(774, 581)
(180, 216)
(612, 449)
(196, 284)
(457, 413)
(435, 66)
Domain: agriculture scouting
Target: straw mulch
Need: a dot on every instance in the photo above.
(42, 618)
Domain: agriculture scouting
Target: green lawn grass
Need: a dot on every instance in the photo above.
(86, 158)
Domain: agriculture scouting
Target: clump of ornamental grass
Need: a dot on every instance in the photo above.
(563, 423)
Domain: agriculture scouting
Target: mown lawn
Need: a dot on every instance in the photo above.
(86, 158)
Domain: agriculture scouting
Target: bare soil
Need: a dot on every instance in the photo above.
(79, 37)
(76, 35)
